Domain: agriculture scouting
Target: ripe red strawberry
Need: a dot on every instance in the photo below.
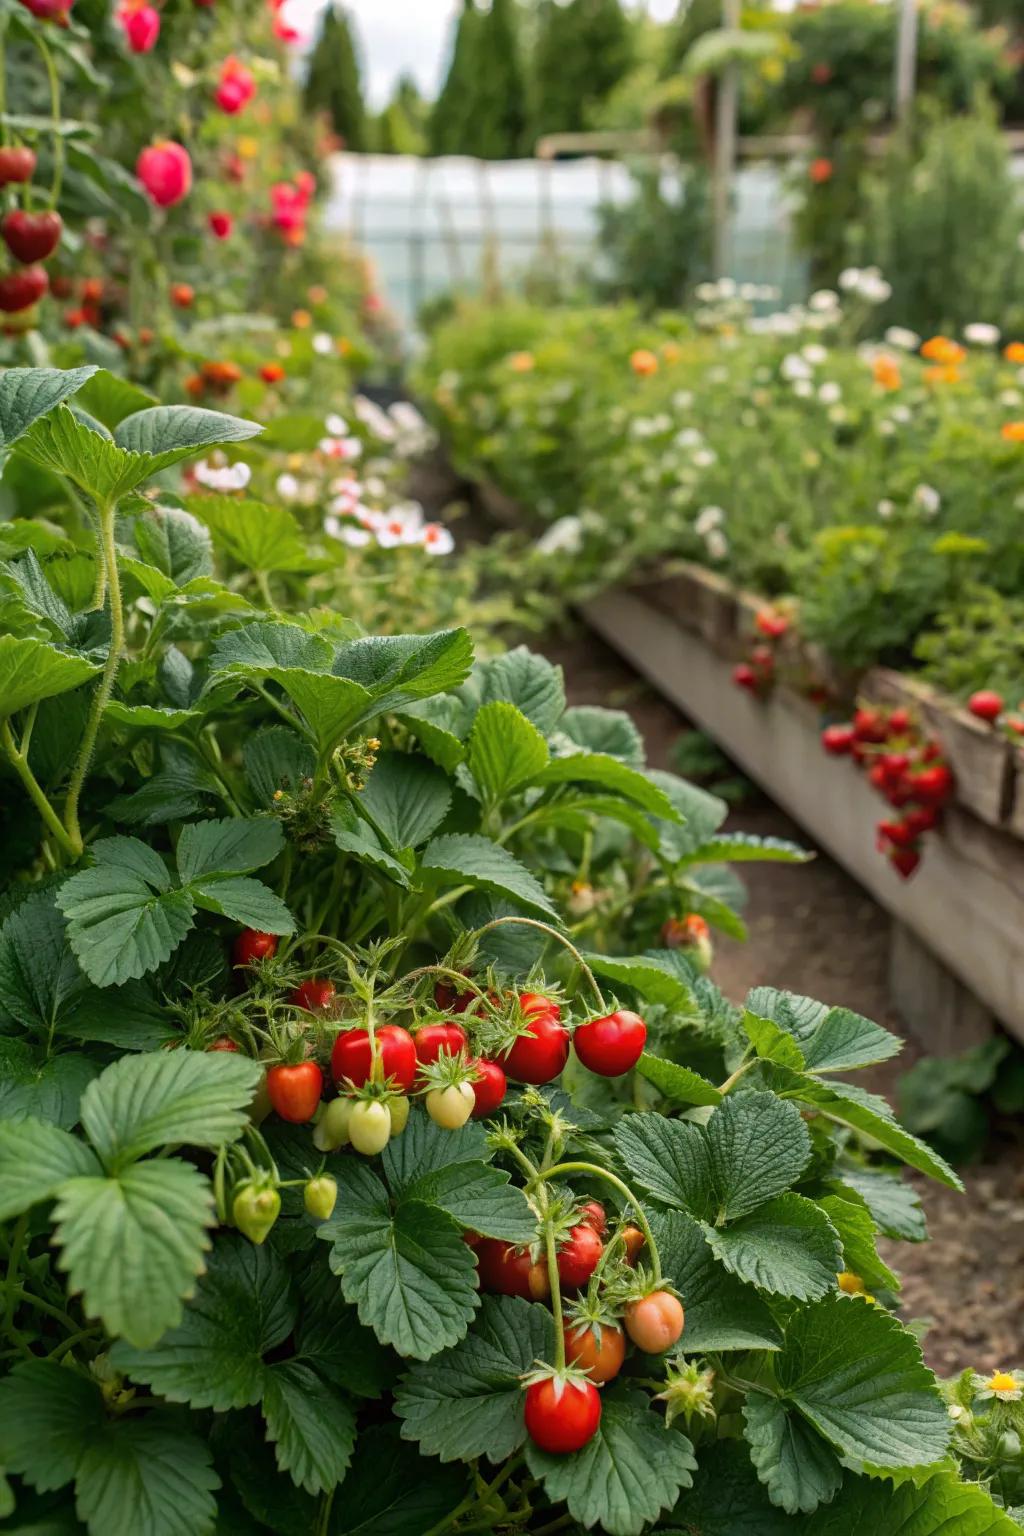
(899, 722)
(923, 818)
(182, 295)
(894, 765)
(771, 624)
(31, 237)
(933, 785)
(869, 725)
(17, 163)
(986, 705)
(899, 833)
(904, 861)
(165, 171)
(837, 739)
(141, 25)
(49, 10)
(221, 224)
(20, 290)
(744, 676)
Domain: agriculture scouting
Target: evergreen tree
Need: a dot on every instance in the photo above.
(401, 128)
(448, 132)
(332, 83)
(498, 111)
(584, 48)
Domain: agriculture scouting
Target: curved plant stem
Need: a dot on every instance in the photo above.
(732, 1080)
(474, 1499)
(18, 759)
(624, 1189)
(58, 140)
(552, 933)
(108, 556)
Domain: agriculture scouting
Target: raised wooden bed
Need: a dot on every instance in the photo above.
(684, 630)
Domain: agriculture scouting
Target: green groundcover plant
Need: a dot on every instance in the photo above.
(343, 1191)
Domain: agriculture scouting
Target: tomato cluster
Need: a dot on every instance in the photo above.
(903, 766)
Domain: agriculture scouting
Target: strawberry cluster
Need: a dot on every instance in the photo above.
(906, 768)
(290, 202)
(756, 674)
(30, 237)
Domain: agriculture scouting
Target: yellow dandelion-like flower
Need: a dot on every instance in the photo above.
(849, 1283)
(1005, 1385)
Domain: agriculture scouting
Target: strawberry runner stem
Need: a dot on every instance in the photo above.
(623, 1189)
(552, 933)
(101, 698)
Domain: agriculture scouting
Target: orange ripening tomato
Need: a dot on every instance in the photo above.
(1014, 352)
(599, 1350)
(1013, 431)
(643, 362)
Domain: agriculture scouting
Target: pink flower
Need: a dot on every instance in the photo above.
(165, 171)
(141, 25)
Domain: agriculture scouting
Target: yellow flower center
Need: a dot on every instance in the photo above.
(1002, 1381)
(852, 1284)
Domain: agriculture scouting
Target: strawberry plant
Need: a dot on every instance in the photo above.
(373, 1151)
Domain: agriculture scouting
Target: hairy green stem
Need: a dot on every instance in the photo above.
(624, 1189)
(101, 698)
(58, 139)
(474, 1500)
(18, 758)
(553, 933)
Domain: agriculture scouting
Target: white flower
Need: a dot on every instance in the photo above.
(707, 519)
(1010, 397)
(287, 487)
(803, 388)
(563, 537)
(706, 292)
(928, 499)
(980, 334)
(793, 366)
(815, 353)
(716, 544)
(823, 301)
(374, 419)
(705, 457)
(348, 533)
(437, 540)
(873, 286)
(323, 345)
(902, 414)
(830, 393)
(726, 287)
(336, 425)
(900, 336)
(682, 399)
(689, 437)
(886, 508)
(406, 417)
(886, 428)
(849, 279)
(223, 477)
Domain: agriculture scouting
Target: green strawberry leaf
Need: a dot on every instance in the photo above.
(461, 859)
(858, 1230)
(406, 798)
(787, 1246)
(468, 1402)
(857, 1375)
(656, 977)
(32, 670)
(26, 394)
(133, 1245)
(392, 1490)
(722, 1313)
(480, 1198)
(506, 752)
(36, 1158)
(943, 1506)
(679, 1084)
(49, 1087)
(312, 1426)
(798, 1468)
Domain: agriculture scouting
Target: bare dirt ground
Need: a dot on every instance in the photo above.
(814, 931)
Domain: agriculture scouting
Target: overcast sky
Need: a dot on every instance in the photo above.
(411, 36)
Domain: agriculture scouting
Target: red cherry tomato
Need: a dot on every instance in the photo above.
(295, 1091)
(599, 1351)
(315, 994)
(540, 1055)
(507, 1271)
(251, 946)
(489, 1088)
(352, 1056)
(223, 1043)
(655, 1323)
(449, 999)
(432, 1039)
(612, 1045)
(561, 1416)
(578, 1256)
(632, 1240)
(592, 1214)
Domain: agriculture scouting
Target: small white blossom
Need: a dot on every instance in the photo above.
(823, 301)
(981, 334)
(705, 457)
(814, 353)
(886, 428)
(287, 487)
(803, 388)
(849, 278)
(830, 393)
(348, 448)
(716, 544)
(682, 399)
(902, 414)
(793, 366)
(873, 286)
(928, 499)
(336, 425)
(900, 336)
(374, 419)
(222, 477)
(323, 345)
(707, 519)
(563, 537)
(1010, 397)
(886, 508)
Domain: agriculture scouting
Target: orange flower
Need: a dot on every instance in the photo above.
(947, 374)
(317, 294)
(301, 319)
(1013, 431)
(194, 384)
(521, 362)
(939, 349)
(182, 295)
(272, 373)
(886, 371)
(1014, 352)
(671, 351)
(820, 170)
(643, 363)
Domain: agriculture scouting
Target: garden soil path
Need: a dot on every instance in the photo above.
(814, 931)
